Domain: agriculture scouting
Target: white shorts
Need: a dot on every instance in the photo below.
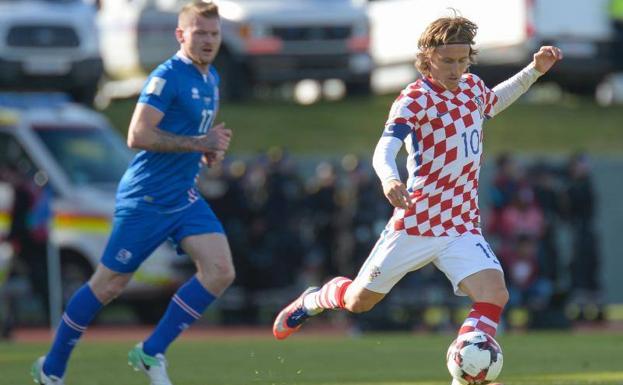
(397, 253)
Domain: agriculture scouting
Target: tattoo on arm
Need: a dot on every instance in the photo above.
(163, 141)
(145, 134)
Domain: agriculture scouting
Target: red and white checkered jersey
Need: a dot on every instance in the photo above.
(443, 137)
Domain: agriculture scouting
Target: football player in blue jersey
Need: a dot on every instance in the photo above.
(157, 200)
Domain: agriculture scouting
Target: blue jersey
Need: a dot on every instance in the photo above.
(189, 101)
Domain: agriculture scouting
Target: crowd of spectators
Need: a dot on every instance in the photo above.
(292, 223)
(531, 205)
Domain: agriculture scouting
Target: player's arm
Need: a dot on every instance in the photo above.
(384, 163)
(511, 89)
(144, 134)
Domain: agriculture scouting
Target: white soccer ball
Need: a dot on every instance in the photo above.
(474, 358)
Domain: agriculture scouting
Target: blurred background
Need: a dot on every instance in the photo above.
(306, 88)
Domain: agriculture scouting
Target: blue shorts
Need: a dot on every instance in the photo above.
(136, 233)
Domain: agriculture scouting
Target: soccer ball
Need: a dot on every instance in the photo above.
(474, 358)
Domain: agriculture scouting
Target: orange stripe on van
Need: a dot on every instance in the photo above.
(5, 220)
(67, 221)
(81, 222)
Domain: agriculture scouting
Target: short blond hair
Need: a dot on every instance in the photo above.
(445, 30)
(197, 8)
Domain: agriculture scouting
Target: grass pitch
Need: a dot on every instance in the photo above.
(380, 359)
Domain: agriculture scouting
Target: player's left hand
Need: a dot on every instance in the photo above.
(212, 158)
(546, 57)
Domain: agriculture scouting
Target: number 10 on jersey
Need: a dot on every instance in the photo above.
(472, 143)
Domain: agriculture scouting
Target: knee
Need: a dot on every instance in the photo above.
(498, 296)
(227, 276)
(107, 291)
(486, 287)
(218, 279)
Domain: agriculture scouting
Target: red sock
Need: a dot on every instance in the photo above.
(331, 295)
(483, 317)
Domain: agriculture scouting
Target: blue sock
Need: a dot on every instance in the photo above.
(186, 306)
(81, 309)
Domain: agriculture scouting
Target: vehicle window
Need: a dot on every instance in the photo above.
(15, 164)
(87, 154)
(13, 156)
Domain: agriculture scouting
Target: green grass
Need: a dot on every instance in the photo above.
(354, 125)
(388, 359)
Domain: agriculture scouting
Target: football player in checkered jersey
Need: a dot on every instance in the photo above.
(436, 220)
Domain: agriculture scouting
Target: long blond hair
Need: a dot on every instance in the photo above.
(446, 30)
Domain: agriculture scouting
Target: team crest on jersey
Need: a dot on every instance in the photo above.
(194, 93)
(124, 256)
(481, 106)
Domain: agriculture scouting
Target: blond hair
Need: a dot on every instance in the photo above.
(197, 8)
(446, 30)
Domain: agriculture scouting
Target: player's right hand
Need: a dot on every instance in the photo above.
(397, 194)
(216, 139)
(212, 158)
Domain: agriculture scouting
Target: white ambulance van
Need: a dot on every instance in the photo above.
(83, 158)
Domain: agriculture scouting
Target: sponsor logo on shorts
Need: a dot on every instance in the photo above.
(124, 256)
(374, 273)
